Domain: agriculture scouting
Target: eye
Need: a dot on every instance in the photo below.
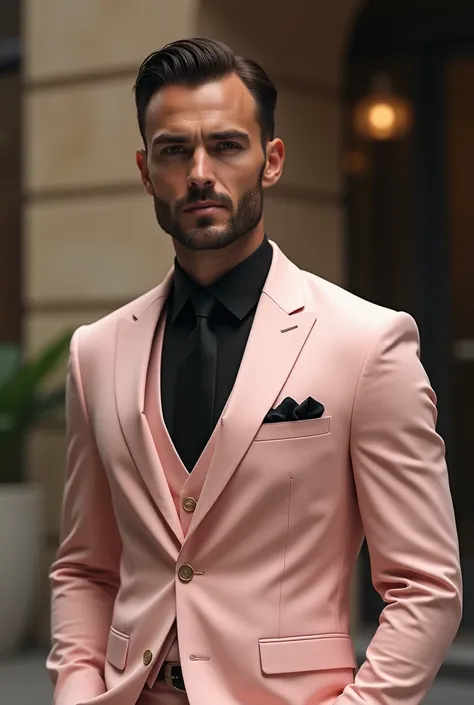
(173, 150)
(228, 146)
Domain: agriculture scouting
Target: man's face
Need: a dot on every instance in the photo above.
(204, 164)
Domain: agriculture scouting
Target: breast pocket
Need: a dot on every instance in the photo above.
(294, 429)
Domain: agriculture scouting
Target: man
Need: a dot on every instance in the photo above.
(232, 436)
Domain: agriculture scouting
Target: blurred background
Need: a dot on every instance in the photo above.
(377, 111)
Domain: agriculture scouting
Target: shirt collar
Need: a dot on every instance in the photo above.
(238, 291)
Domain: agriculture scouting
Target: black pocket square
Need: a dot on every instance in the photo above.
(290, 410)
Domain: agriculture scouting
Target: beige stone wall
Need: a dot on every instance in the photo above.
(90, 238)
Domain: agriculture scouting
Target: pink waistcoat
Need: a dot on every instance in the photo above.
(181, 484)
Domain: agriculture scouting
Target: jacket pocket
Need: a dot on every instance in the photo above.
(321, 652)
(293, 429)
(117, 648)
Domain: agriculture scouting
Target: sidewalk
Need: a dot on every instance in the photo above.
(23, 681)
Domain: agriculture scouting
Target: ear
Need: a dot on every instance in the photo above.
(274, 164)
(142, 164)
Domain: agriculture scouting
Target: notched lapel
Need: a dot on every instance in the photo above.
(274, 344)
(134, 344)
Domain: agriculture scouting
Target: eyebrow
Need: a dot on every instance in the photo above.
(229, 135)
(169, 138)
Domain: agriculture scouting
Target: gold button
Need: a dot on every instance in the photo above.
(186, 573)
(147, 657)
(189, 504)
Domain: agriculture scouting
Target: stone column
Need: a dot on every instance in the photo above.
(90, 239)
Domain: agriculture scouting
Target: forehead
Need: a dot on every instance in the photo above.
(224, 103)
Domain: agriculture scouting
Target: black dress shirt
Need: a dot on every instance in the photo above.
(237, 294)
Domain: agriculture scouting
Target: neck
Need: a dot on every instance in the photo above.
(207, 266)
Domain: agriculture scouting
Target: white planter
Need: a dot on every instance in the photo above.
(21, 534)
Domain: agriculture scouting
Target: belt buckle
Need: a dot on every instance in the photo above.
(169, 675)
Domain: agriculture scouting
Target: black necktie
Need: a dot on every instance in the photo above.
(196, 385)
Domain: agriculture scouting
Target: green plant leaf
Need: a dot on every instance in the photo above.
(12, 448)
(10, 360)
(6, 423)
(42, 406)
(23, 403)
(20, 390)
(51, 401)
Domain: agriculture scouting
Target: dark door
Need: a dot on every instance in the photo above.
(457, 78)
(411, 234)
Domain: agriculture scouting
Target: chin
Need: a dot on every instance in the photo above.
(208, 238)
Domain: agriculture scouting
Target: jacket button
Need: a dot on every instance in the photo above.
(189, 504)
(147, 657)
(186, 573)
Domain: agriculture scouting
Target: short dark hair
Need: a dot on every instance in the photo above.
(197, 61)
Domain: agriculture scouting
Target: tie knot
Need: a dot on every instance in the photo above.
(203, 303)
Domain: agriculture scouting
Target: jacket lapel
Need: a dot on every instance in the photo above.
(134, 344)
(280, 329)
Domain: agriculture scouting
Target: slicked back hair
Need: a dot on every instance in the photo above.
(197, 61)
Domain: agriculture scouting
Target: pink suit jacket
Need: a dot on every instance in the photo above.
(279, 520)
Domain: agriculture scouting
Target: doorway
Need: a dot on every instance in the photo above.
(410, 223)
(455, 72)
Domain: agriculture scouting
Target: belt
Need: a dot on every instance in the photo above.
(172, 673)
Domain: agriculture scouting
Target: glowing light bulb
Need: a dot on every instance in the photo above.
(382, 114)
(382, 117)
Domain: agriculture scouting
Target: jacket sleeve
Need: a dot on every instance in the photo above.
(405, 504)
(85, 574)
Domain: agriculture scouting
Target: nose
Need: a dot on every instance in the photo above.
(201, 174)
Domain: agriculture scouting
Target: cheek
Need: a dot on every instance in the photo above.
(168, 184)
(239, 178)
(251, 170)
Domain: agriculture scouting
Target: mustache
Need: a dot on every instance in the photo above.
(196, 194)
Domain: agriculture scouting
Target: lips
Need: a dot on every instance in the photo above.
(204, 207)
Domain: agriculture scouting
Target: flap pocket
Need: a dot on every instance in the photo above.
(117, 648)
(293, 429)
(307, 653)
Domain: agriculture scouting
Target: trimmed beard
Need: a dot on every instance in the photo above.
(206, 236)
